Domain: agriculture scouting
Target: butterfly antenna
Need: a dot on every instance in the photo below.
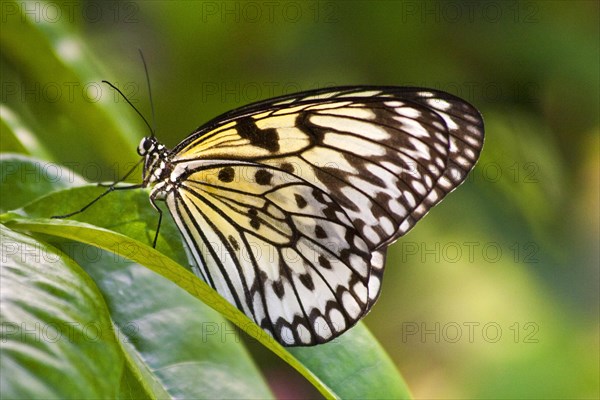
(149, 92)
(132, 106)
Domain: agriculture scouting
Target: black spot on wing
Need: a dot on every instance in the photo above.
(263, 177)
(226, 174)
(307, 281)
(287, 167)
(265, 138)
(300, 201)
(234, 242)
(254, 219)
(324, 262)
(320, 232)
(278, 288)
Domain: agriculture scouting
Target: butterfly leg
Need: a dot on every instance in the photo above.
(111, 188)
(160, 215)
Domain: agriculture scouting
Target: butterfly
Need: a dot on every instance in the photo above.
(288, 205)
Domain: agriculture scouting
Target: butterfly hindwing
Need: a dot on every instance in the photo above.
(277, 247)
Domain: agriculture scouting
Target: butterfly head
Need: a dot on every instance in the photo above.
(156, 159)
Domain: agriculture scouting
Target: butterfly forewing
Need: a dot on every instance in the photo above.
(288, 204)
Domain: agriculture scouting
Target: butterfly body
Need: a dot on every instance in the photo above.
(288, 205)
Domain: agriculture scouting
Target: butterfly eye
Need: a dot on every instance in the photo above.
(144, 147)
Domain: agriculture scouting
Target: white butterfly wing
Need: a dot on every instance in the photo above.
(312, 188)
(277, 247)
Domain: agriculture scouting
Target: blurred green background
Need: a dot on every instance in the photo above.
(496, 293)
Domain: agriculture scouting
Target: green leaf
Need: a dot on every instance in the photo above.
(54, 323)
(64, 80)
(27, 178)
(162, 265)
(178, 347)
(16, 137)
(145, 321)
(362, 368)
